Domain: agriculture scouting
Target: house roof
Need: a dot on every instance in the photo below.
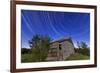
(62, 40)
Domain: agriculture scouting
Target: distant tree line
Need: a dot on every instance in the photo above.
(25, 51)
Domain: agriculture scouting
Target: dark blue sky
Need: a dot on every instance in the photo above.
(55, 24)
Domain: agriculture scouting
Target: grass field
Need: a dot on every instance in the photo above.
(26, 58)
(78, 56)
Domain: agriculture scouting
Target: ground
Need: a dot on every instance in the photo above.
(77, 56)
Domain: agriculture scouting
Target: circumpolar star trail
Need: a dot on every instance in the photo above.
(55, 24)
(27, 23)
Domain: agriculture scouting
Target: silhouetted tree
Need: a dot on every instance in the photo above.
(84, 45)
(40, 46)
(83, 48)
(78, 44)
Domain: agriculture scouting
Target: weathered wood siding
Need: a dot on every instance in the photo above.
(67, 48)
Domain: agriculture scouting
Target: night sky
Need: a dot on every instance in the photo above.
(55, 24)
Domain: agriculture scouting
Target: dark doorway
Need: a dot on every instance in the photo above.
(60, 47)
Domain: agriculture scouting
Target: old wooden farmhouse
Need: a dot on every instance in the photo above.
(60, 49)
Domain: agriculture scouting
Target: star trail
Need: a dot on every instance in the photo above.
(55, 24)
